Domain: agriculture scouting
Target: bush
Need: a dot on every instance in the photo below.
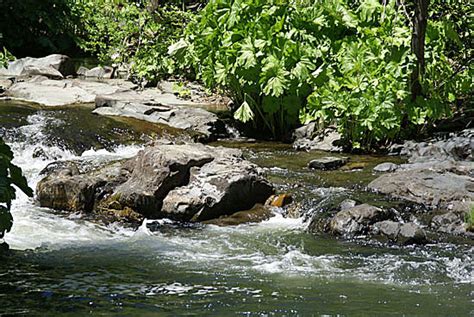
(132, 32)
(335, 61)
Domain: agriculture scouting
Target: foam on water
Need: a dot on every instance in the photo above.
(38, 227)
(269, 247)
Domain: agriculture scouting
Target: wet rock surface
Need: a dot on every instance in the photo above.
(356, 220)
(432, 189)
(308, 138)
(67, 188)
(153, 106)
(225, 185)
(189, 182)
(327, 163)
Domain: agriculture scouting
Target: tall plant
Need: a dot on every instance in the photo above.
(10, 175)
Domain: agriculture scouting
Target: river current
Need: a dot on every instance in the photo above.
(64, 265)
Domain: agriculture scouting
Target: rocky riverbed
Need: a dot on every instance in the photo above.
(324, 243)
(192, 182)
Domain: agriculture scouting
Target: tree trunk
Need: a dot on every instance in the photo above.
(420, 20)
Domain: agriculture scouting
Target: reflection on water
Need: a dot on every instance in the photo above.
(66, 266)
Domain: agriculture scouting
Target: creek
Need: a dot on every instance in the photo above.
(65, 265)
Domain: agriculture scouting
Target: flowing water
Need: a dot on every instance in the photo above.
(62, 265)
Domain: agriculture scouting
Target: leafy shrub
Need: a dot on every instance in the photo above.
(262, 53)
(334, 61)
(10, 175)
(131, 32)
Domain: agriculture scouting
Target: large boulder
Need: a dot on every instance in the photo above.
(433, 189)
(46, 92)
(57, 65)
(226, 185)
(189, 182)
(153, 106)
(156, 171)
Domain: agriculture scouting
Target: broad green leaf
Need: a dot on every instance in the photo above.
(244, 113)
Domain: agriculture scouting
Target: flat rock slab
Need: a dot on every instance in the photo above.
(153, 106)
(430, 188)
(47, 92)
(328, 163)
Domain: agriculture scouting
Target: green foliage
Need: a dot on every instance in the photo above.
(131, 32)
(5, 57)
(262, 53)
(10, 175)
(469, 220)
(366, 73)
(334, 61)
(181, 90)
(38, 28)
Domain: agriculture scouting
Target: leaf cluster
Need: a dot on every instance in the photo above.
(10, 175)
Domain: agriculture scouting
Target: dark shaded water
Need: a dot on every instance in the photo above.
(66, 266)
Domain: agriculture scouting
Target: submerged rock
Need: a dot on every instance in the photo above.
(58, 64)
(279, 200)
(258, 213)
(328, 163)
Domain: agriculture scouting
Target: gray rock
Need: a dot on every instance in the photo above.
(190, 182)
(386, 167)
(411, 233)
(48, 92)
(157, 170)
(457, 146)
(152, 106)
(450, 222)
(81, 71)
(356, 220)
(430, 188)
(100, 72)
(61, 63)
(307, 138)
(66, 188)
(388, 228)
(50, 72)
(226, 185)
(347, 204)
(328, 163)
